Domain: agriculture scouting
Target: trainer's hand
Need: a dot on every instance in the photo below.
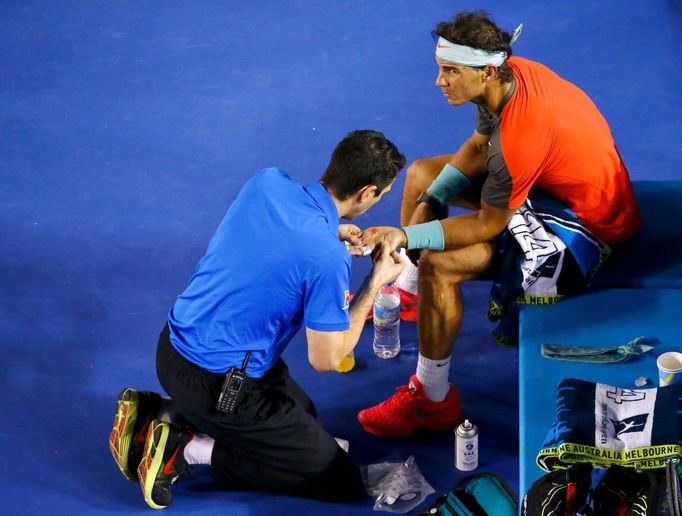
(387, 265)
(394, 239)
(351, 235)
(397, 238)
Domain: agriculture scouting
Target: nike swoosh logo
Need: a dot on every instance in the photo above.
(142, 434)
(420, 414)
(441, 365)
(167, 468)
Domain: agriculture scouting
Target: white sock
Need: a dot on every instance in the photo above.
(345, 445)
(409, 277)
(433, 375)
(199, 450)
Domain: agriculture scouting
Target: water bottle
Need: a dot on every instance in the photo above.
(387, 322)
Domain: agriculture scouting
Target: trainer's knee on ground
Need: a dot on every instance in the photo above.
(340, 481)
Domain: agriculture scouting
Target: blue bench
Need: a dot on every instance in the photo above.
(597, 318)
(653, 258)
(634, 295)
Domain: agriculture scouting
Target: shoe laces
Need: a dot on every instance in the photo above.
(398, 398)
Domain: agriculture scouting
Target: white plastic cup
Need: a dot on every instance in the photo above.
(669, 368)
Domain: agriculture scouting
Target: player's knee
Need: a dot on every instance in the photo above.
(430, 268)
(419, 174)
(434, 268)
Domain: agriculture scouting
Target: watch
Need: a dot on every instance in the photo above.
(431, 201)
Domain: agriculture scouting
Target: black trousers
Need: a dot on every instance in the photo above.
(272, 442)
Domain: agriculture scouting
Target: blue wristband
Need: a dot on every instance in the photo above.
(425, 236)
(450, 182)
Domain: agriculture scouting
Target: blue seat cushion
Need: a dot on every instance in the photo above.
(653, 257)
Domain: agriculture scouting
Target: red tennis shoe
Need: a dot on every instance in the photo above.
(408, 305)
(409, 409)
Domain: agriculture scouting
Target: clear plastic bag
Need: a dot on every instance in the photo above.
(396, 486)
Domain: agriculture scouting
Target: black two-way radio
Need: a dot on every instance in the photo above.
(231, 390)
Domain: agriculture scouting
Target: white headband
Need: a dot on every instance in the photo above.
(469, 56)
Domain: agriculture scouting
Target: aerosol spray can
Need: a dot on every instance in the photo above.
(466, 446)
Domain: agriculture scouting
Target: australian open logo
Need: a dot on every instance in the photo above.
(630, 424)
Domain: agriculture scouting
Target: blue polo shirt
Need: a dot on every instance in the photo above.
(274, 264)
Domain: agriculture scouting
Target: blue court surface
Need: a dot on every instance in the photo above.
(129, 127)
